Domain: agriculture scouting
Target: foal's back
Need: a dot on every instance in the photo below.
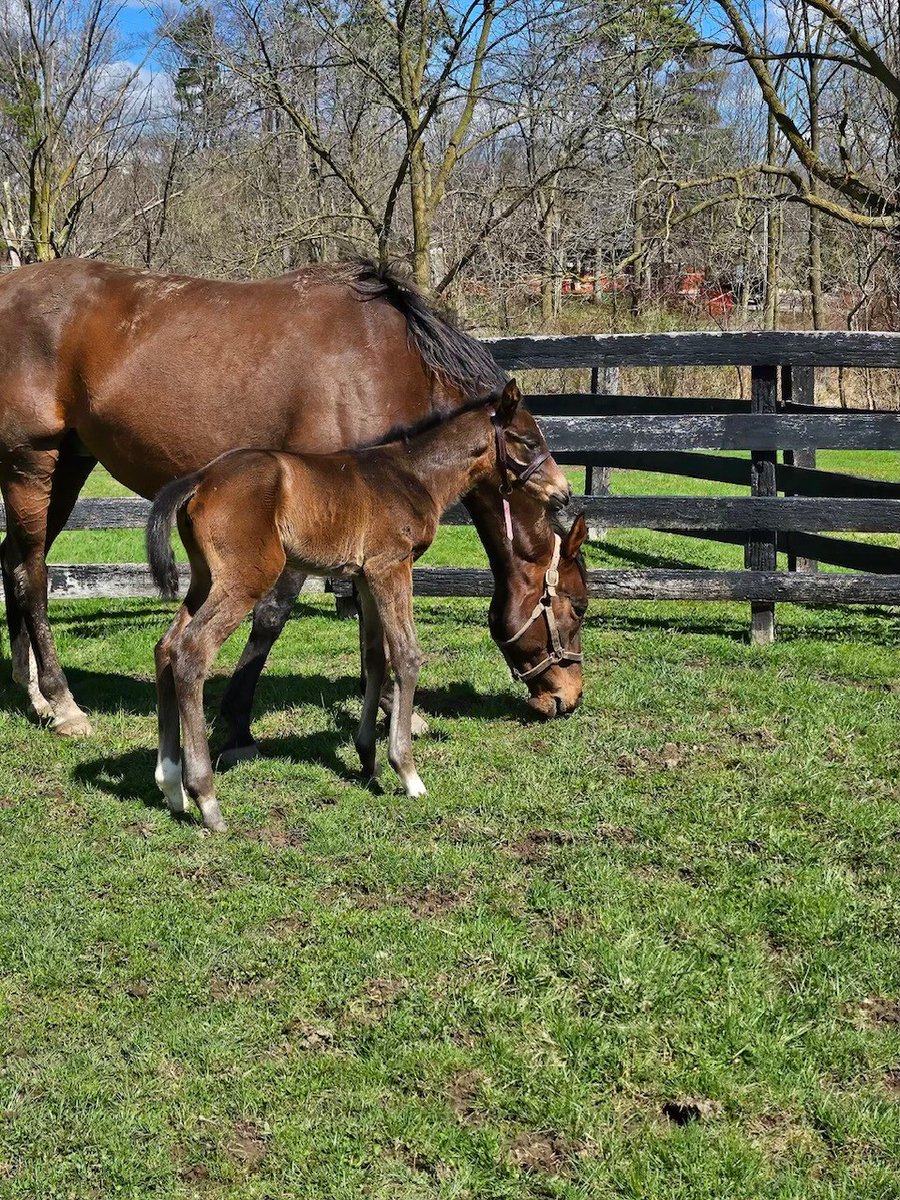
(327, 513)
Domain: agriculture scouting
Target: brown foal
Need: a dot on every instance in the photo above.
(367, 514)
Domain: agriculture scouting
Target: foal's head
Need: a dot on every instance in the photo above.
(521, 455)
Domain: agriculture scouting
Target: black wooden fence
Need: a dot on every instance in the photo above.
(674, 436)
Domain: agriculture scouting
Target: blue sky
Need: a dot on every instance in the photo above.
(137, 22)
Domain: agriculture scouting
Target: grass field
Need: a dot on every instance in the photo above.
(649, 952)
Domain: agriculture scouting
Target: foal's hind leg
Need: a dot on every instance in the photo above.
(27, 491)
(269, 617)
(191, 654)
(168, 758)
(392, 591)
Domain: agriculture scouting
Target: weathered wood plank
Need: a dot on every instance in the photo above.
(106, 581)
(809, 349)
(737, 512)
(734, 431)
(618, 584)
(760, 586)
(115, 581)
(125, 513)
(798, 391)
(585, 404)
(606, 382)
(840, 552)
(874, 515)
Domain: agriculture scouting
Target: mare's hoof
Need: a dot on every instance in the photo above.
(235, 754)
(419, 725)
(74, 727)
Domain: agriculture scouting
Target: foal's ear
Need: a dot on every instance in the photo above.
(508, 402)
(574, 539)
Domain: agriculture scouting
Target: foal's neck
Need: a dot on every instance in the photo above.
(442, 459)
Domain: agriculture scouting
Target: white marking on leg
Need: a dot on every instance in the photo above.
(168, 780)
(212, 815)
(413, 784)
(25, 673)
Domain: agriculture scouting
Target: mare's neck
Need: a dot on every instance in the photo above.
(512, 562)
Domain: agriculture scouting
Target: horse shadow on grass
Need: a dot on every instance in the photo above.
(129, 776)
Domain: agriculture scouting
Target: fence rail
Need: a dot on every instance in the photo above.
(602, 430)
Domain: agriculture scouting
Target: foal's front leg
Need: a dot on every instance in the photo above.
(392, 592)
(374, 668)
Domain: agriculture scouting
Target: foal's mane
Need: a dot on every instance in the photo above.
(406, 433)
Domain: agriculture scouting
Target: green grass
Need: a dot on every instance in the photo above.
(687, 894)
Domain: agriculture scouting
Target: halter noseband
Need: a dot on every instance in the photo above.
(556, 652)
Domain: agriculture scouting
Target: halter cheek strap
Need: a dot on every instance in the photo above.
(556, 652)
(511, 470)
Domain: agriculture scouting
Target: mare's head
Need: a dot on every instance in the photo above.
(536, 618)
(536, 615)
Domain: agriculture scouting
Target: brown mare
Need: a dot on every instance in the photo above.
(155, 375)
(366, 514)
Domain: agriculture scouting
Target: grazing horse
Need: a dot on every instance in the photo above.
(154, 376)
(366, 514)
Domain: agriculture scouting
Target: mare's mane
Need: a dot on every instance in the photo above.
(447, 352)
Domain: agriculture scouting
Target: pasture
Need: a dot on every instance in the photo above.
(650, 951)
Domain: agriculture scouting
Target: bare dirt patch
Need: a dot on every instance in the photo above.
(876, 1012)
(538, 843)
(306, 1035)
(433, 902)
(246, 1145)
(223, 988)
(462, 1093)
(544, 1153)
(374, 1002)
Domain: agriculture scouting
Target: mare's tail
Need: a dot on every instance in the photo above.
(169, 502)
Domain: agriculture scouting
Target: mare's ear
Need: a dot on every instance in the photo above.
(508, 403)
(574, 539)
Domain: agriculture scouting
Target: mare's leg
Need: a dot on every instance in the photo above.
(69, 475)
(269, 617)
(191, 654)
(392, 592)
(27, 485)
(371, 640)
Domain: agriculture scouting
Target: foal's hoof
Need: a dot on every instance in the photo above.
(40, 710)
(76, 726)
(418, 725)
(212, 816)
(231, 756)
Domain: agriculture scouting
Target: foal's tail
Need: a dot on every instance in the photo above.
(169, 502)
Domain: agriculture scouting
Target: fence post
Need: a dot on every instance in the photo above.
(798, 384)
(761, 553)
(604, 382)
